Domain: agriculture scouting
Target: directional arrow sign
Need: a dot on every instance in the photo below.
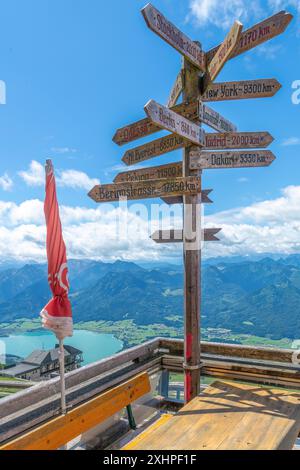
(153, 149)
(146, 127)
(223, 53)
(146, 189)
(176, 90)
(215, 120)
(176, 235)
(179, 199)
(171, 170)
(173, 122)
(173, 36)
(213, 140)
(212, 160)
(258, 34)
(237, 140)
(246, 89)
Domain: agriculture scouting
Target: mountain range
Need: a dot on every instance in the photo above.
(259, 297)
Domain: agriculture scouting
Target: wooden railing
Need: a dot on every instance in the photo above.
(26, 409)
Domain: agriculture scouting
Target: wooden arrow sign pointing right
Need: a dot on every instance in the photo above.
(217, 141)
(213, 119)
(176, 235)
(258, 34)
(179, 199)
(246, 89)
(223, 53)
(173, 122)
(214, 160)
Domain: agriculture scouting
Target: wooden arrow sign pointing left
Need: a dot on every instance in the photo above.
(213, 140)
(173, 122)
(146, 189)
(146, 127)
(176, 235)
(171, 170)
(223, 53)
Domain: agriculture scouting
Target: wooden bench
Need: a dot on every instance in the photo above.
(228, 416)
(57, 432)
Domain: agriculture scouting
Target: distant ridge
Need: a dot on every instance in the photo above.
(259, 297)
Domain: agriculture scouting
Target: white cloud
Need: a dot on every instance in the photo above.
(223, 13)
(271, 226)
(278, 5)
(76, 179)
(6, 183)
(269, 51)
(106, 232)
(291, 141)
(35, 176)
(63, 150)
(109, 233)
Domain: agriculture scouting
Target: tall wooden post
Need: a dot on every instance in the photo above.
(192, 258)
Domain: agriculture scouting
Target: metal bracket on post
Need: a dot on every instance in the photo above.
(131, 419)
(164, 383)
(195, 367)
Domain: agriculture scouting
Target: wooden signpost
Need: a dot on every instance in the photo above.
(213, 119)
(173, 122)
(146, 189)
(176, 90)
(231, 159)
(242, 90)
(173, 36)
(213, 140)
(176, 235)
(257, 35)
(223, 53)
(180, 182)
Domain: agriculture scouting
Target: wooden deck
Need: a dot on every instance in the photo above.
(228, 416)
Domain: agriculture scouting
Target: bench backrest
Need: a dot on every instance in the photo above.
(57, 432)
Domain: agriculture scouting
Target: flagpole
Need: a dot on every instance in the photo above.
(62, 376)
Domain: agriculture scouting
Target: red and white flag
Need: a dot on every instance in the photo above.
(57, 314)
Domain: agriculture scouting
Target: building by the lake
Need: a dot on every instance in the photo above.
(44, 364)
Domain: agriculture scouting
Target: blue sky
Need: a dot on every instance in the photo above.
(75, 71)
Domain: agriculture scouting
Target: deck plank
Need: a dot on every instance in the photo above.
(229, 416)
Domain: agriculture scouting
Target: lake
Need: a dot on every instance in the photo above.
(94, 346)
